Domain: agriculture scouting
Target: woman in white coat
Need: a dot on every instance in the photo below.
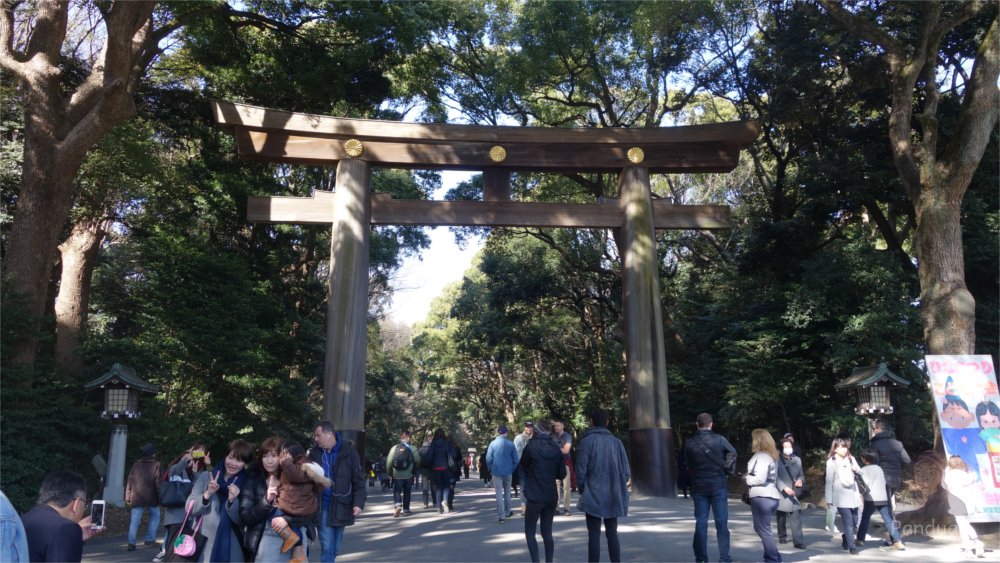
(842, 490)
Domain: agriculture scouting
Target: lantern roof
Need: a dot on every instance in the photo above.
(871, 375)
(119, 374)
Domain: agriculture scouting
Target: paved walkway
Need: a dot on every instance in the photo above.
(656, 530)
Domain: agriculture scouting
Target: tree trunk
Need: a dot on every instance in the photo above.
(79, 255)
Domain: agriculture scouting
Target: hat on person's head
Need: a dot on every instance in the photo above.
(542, 426)
(529, 424)
(502, 429)
(148, 449)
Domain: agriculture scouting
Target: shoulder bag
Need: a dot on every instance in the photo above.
(729, 465)
(190, 541)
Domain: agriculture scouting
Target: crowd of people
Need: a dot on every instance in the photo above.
(267, 503)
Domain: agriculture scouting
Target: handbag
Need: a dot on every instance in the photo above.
(174, 493)
(745, 497)
(190, 541)
(863, 487)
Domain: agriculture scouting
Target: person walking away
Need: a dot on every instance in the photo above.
(456, 471)
(706, 454)
(790, 481)
(257, 497)
(762, 478)
(484, 470)
(565, 442)
(520, 442)
(877, 497)
(842, 490)
(426, 473)
(543, 464)
(892, 456)
(501, 457)
(141, 493)
(441, 464)
(602, 475)
(344, 501)
(965, 496)
(56, 527)
(402, 461)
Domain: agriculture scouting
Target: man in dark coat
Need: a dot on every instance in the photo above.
(543, 464)
(602, 473)
(706, 453)
(56, 527)
(142, 494)
(345, 500)
(891, 458)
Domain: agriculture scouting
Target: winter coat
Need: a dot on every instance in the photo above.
(441, 452)
(707, 476)
(254, 509)
(965, 494)
(762, 476)
(789, 471)
(209, 510)
(142, 480)
(602, 474)
(302, 486)
(841, 488)
(409, 471)
(875, 479)
(349, 488)
(891, 458)
(175, 514)
(542, 462)
(501, 457)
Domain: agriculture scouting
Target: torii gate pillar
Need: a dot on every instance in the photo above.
(347, 310)
(651, 441)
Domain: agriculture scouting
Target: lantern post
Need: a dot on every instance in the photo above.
(871, 385)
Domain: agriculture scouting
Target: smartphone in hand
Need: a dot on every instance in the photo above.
(97, 515)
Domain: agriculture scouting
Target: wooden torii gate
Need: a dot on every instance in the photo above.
(355, 145)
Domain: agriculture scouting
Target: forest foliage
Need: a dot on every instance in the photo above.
(817, 276)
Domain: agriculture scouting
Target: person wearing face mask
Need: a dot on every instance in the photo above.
(790, 481)
(842, 490)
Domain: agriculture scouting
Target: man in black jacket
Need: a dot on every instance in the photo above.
(705, 453)
(345, 500)
(542, 462)
(56, 527)
(891, 458)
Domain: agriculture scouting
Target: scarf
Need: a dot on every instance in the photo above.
(329, 459)
(222, 546)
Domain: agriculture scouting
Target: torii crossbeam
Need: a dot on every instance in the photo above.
(355, 145)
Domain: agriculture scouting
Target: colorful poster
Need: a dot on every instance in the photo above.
(967, 401)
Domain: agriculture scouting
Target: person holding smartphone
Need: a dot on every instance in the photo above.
(57, 526)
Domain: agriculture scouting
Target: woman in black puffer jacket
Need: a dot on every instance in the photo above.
(256, 498)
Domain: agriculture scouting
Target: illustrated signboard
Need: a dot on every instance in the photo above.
(967, 401)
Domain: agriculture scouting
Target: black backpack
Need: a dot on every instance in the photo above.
(426, 456)
(403, 458)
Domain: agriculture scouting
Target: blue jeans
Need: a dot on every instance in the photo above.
(154, 522)
(501, 484)
(866, 518)
(763, 509)
(330, 538)
(849, 519)
(718, 502)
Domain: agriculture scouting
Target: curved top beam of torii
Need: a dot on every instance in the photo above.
(282, 136)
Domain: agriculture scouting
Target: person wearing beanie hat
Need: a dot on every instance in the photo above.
(142, 494)
(501, 458)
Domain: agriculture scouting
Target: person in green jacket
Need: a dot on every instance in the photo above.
(402, 461)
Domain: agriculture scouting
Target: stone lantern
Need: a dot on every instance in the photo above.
(871, 385)
(121, 403)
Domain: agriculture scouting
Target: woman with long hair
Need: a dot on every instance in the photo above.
(842, 490)
(215, 497)
(762, 471)
(260, 542)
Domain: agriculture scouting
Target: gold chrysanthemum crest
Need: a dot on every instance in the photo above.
(353, 148)
(498, 153)
(635, 155)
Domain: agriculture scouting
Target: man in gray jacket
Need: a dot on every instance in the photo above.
(602, 475)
